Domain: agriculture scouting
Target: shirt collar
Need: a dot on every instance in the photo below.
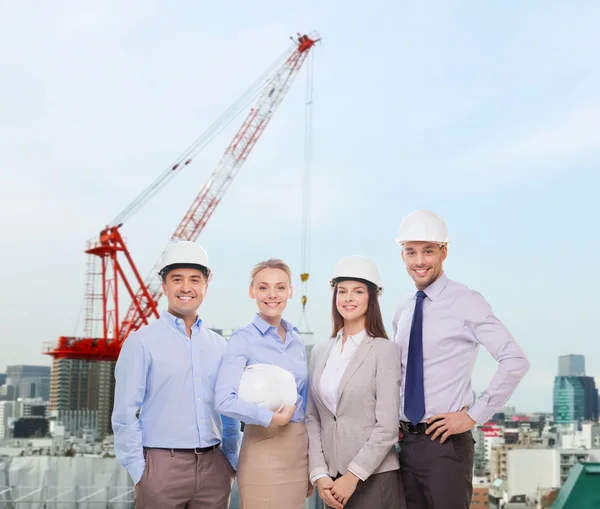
(178, 323)
(434, 289)
(356, 339)
(262, 326)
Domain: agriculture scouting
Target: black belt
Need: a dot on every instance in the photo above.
(413, 429)
(196, 450)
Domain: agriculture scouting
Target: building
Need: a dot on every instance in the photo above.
(568, 400)
(590, 397)
(581, 489)
(586, 438)
(571, 365)
(29, 381)
(30, 427)
(84, 385)
(480, 499)
(2, 378)
(532, 469)
(6, 414)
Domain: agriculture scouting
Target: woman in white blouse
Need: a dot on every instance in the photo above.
(353, 398)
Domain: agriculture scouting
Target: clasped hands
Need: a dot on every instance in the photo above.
(336, 493)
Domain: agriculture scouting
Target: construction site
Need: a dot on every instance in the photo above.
(118, 301)
(312, 146)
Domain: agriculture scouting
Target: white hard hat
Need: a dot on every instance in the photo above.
(423, 226)
(268, 386)
(185, 254)
(357, 268)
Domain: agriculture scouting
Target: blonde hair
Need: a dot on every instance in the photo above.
(271, 263)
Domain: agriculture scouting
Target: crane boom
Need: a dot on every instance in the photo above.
(213, 190)
(144, 302)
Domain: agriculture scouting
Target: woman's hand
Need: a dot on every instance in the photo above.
(282, 417)
(324, 485)
(344, 487)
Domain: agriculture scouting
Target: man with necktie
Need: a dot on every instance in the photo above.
(439, 329)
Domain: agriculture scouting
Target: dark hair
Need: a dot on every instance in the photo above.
(174, 266)
(373, 320)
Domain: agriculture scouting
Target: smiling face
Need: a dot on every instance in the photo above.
(271, 288)
(185, 290)
(424, 262)
(352, 299)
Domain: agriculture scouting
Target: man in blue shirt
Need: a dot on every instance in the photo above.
(180, 452)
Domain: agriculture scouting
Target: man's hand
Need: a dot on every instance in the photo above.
(343, 487)
(324, 485)
(282, 417)
(452, 423)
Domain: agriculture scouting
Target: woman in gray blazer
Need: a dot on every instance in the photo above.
(353, 398)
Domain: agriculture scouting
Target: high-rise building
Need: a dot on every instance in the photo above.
(84, 385)
(568, 400)
(590, 396)
(29, 381)
(2, 378)
(571, 365)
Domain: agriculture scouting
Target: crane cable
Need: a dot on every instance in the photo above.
(304, 260)
(248, 97)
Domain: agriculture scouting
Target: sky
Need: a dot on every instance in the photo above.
(486, 113)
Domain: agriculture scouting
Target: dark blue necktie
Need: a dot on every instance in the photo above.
(414, 393)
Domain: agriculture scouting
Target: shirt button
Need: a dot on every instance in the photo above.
(199, 399)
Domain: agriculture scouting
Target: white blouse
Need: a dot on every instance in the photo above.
(337, 362)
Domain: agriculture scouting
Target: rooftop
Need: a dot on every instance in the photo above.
(582, 488)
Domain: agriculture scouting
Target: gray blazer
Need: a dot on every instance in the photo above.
(361, 437)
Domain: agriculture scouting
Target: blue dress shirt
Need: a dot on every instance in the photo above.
(171, 378)
(259, 343)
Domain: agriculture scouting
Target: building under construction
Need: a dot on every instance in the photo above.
(83, 367)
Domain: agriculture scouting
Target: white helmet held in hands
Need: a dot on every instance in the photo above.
(184, 254)
(268, 386)
(357, 268)
(423, 226)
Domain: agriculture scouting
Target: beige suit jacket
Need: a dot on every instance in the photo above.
(361, 437)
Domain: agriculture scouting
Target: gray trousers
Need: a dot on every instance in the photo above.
(379, 491)
(184, 480)
(436, 475)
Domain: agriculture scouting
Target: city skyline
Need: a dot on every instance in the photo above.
(487, 114)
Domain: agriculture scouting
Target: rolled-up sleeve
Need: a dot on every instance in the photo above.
(226, 391)
(131, 372)
(513, 364)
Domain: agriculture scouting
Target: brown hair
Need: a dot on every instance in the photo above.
(271, 263)
(373, 320)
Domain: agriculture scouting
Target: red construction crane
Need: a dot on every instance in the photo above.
(111, 249)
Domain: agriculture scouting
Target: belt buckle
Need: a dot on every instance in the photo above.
(197, 451)
(410, 428)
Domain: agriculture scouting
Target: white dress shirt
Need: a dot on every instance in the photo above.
(456, 321)
(337, 362)
(336, 365)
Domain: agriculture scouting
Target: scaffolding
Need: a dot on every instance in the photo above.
(80, 482)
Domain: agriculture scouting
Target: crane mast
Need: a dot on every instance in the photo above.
(110, 246)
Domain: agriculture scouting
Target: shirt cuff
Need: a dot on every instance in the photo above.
(480, 413)
(264, 417)
(136, 471)
(318, 472)
(315, 478)
(359, 472)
